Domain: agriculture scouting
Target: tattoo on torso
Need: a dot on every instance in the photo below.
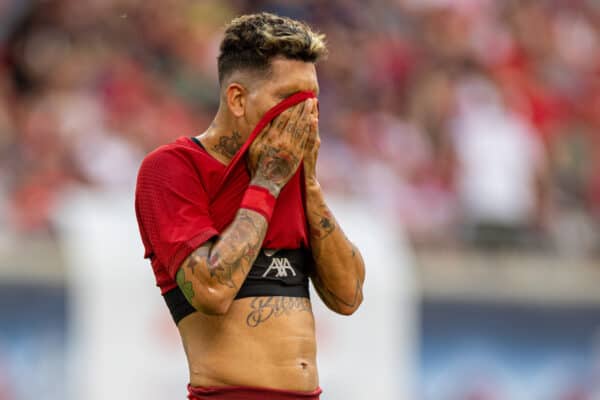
(264, 308)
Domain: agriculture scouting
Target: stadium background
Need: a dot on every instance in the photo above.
(461, 147)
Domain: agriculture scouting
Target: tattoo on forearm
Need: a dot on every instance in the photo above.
(237, 248)
(223, 271)
(229, 145)
(331, 298)
(324, 223)
(234, 251)
(337, 260)
(263, 308)
(327, 226)
(185, 285)
(192, 264)
(197, 258)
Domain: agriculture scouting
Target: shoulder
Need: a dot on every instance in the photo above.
(181, 155)
(180, 166)
(168, 154)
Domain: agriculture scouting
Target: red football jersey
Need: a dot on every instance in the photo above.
(184, 197)
(182, 201)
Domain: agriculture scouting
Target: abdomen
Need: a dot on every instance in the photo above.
(261, 341)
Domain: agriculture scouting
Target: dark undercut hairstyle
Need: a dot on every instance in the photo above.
(252, 41)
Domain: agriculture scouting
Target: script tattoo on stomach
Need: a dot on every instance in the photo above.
(264, 308)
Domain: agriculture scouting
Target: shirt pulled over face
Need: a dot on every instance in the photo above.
(185, 197)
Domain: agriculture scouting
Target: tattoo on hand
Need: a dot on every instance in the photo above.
(263, 308)
(229, 145)
(275, 167)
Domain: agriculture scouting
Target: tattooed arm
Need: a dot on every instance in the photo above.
(211, 276)
(339, 267)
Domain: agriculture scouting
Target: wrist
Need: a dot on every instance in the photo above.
(259, 199)
(310, 176)
(273, 188)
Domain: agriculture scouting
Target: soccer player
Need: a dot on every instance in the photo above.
(234, 228)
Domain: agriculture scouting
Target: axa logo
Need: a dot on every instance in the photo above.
(282, 266)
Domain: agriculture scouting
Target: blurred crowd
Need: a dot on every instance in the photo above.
(470, 122)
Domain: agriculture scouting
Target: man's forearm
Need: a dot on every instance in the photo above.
(211, 275)
(339, 270)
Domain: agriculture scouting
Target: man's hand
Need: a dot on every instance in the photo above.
(276, 153)
(311, 151)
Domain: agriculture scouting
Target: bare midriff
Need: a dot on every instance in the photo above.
(261, 341)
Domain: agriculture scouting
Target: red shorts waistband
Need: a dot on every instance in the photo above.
(248, 393)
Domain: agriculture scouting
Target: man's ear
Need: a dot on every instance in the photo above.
(236, 94)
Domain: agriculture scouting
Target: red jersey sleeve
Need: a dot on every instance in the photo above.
(172, 209)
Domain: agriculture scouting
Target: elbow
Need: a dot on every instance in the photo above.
(216, 310)
(348, 309)
(215, 303)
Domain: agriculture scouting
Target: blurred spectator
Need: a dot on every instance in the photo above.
(501, 165)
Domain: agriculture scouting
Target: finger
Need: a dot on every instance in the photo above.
(309, 108)
(308, 141)
(308, 130)
(311, 137)
(312, 110)
(315, 118)
(308, 136)
(301, 121)
(314, 113)
(282, 119)
(294, 119)
(262, 137)
(297, 112)
(313, 127)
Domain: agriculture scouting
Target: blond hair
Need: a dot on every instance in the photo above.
(251, 41)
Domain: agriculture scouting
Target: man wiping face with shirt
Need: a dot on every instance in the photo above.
(234, 222)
